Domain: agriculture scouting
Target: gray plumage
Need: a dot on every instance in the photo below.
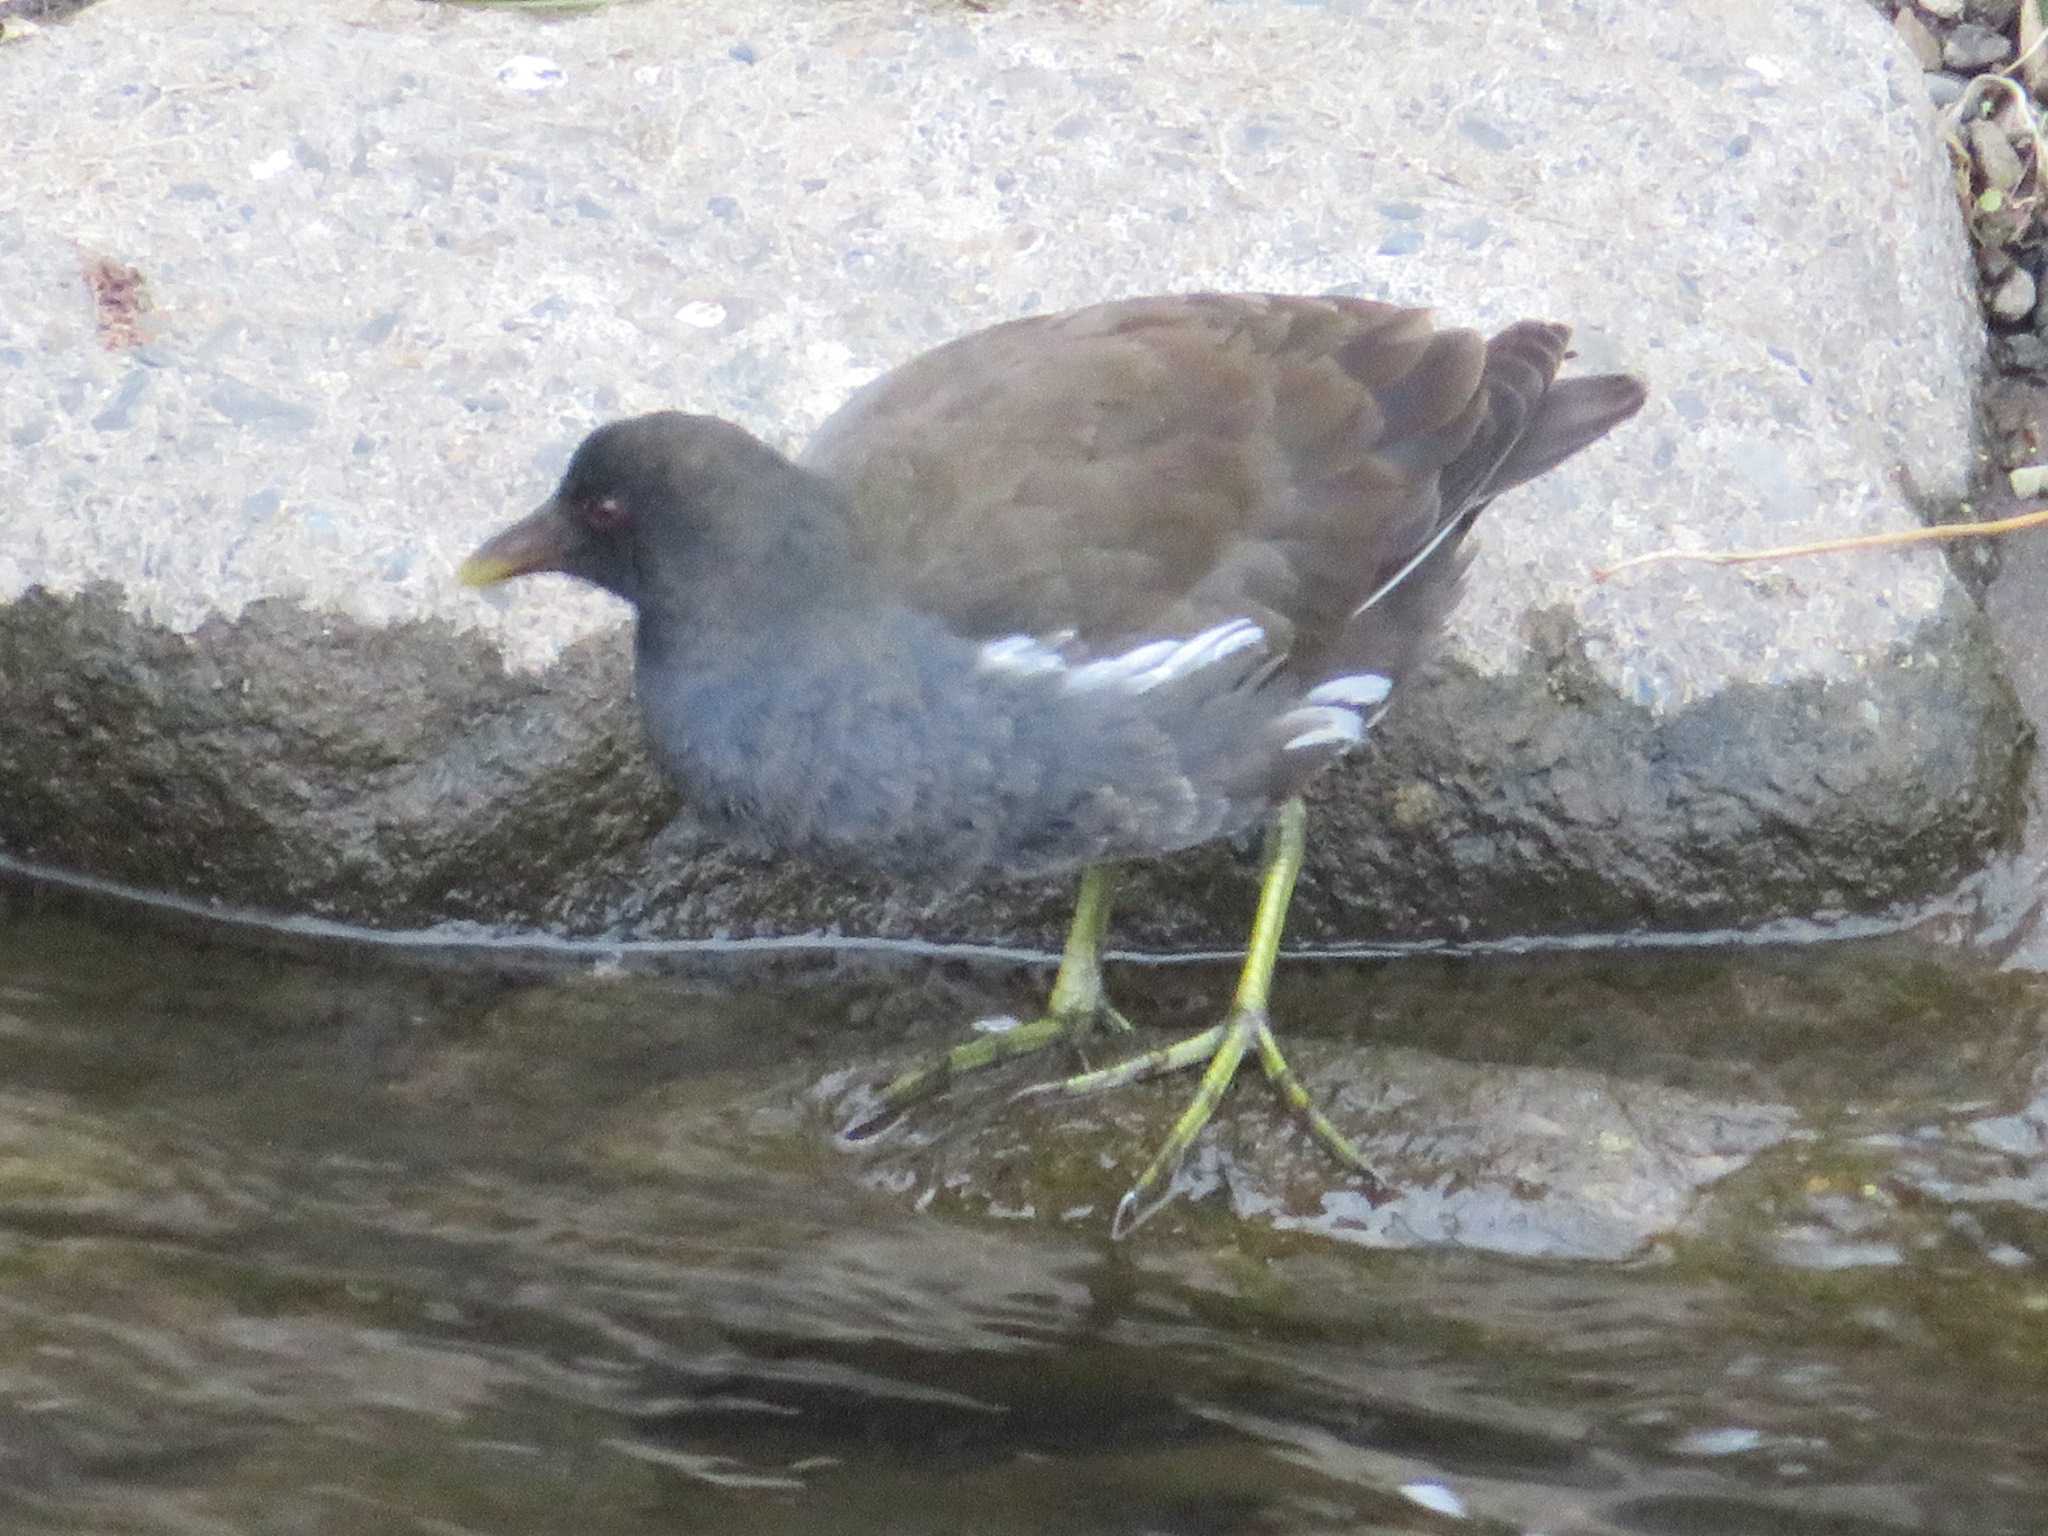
(1084, 586)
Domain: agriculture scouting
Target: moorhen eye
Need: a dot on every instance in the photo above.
(1080, 588)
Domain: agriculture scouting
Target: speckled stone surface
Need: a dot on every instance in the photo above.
(298, 302)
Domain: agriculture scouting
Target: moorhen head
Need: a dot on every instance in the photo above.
(1075, 589)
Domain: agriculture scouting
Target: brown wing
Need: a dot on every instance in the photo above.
(1155, 466)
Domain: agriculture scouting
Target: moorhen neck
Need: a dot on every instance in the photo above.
(1075, 589)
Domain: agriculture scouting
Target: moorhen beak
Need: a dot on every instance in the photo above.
(544, 540)
(1079, 588)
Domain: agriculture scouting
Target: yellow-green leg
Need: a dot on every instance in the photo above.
(1245, 1028)
(1078, 1006)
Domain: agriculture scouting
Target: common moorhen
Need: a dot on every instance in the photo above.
(1078, 588)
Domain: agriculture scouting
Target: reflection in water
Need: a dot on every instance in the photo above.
(1700, 1243)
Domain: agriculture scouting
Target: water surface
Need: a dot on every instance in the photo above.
(1743, 1241)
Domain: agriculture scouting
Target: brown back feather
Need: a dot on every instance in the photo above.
(1156, 466)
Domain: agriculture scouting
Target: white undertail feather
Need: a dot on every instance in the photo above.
(1336, 713)
(1322, 725)
(1362, 690)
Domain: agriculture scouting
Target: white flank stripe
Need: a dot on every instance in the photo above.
(1138, 670)
(1020, 656)
(1125, 671)
(1224, 640)
(1158, 662)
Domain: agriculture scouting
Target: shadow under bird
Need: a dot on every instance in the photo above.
(1076, 589)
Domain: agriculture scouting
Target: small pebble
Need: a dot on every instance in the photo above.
(1921, 43)
(2013, 299)
(1947, 10)
(2024, 353)
(1970, 46)
(1944, 90)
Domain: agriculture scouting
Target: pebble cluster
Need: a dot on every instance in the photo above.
(1986, 64)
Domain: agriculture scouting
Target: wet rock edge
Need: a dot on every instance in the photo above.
(295, 762)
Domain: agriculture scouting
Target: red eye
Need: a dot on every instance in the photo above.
(606, 514)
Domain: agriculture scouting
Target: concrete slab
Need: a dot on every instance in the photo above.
(296, 303)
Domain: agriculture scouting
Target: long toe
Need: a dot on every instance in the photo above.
(1297, 1097)
(1237, 1034)
(988, 1049)
(1223, 1047)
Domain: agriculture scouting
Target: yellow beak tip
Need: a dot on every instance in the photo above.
(477, 571)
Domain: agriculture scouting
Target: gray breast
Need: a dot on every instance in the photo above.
(887, 743)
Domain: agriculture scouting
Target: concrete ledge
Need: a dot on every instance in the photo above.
(296, 303)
